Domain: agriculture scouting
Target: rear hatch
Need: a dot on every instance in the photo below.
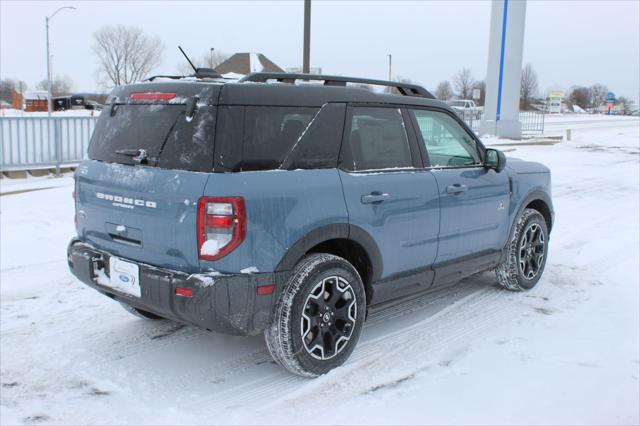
(149, 159)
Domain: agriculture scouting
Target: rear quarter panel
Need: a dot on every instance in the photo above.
(282, 207)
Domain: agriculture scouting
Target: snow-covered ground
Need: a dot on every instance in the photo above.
(566, 352)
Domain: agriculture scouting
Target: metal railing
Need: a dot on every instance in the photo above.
(43, 142)
(531, 121)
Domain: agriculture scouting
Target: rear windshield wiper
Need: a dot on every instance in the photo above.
(138, 155)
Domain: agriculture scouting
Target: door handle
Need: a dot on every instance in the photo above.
(374, 197)
(456, 188)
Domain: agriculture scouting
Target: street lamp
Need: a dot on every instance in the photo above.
(47, 19)
(211, 58)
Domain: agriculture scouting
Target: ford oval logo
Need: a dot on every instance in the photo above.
(124, 278)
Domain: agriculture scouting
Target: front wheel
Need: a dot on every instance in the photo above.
(319, 316)
(526, 254)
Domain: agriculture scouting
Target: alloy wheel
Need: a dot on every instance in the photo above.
(328, 318)
(531, 252)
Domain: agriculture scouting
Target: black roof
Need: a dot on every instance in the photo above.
(238, 92)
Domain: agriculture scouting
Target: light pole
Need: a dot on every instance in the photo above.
(47, 19)
(306, 43)
(389, 66)
(211, 58)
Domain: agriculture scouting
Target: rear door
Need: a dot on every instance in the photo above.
(473, 199)
(388, 193)
(137, 194)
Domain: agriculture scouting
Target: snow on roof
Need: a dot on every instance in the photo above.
(36, 94)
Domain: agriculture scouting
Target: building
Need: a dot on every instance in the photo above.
(555, 101)
(35, 100)
(246, 63)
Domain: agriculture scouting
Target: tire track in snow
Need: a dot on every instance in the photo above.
(223, 372)
(368, 349)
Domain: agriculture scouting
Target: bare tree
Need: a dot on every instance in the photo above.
(463, 82)
(626, 103)
(125, 54)
(59, 86)
(444, 92)
(7, 87)
(207, 60)
(580, 96)
(598, 94)
(528, 87)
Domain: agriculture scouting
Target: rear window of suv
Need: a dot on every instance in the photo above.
(169, 139)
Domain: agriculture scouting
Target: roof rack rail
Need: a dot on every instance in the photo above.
(173, 77)
(405, 89)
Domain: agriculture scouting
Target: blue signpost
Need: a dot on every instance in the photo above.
(610, 101)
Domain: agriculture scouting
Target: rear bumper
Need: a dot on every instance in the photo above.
(227, 304)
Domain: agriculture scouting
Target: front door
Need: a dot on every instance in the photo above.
(474, 200)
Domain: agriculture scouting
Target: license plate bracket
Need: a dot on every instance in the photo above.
(124, 276)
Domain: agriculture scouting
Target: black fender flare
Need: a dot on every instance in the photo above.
(330, 232)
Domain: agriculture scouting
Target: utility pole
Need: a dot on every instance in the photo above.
(389, 66)
(46, 21)
(211, 58)
(49, 100)
(307, 36)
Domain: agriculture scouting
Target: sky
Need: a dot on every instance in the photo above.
(567, 42)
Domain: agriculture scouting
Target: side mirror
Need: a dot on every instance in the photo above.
(494, 159)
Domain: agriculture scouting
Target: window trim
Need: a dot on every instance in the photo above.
(423, 148)
(416, 156)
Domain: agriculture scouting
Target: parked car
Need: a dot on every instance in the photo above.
(466, 107)
(93, 105)
(62, 103)
(266, 206)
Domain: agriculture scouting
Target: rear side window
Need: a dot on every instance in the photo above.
(270, 134)
(254, 138)
(319, 146)
(168, 138)
(377, 140)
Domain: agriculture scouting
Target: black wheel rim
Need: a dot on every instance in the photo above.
(328, 318)
(531, 252)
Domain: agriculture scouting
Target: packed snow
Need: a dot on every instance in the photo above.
(566, 352)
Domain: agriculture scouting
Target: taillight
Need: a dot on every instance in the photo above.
(222, 226)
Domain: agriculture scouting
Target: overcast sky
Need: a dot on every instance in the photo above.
(568, 42)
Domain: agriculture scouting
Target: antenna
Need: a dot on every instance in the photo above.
(188, 60)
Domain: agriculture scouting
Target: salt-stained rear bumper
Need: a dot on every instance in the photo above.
(228, 303)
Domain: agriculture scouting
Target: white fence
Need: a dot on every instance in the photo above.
(41, 142)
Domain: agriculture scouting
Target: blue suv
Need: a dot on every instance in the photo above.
(291, 204)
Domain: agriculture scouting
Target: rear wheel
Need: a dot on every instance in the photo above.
(140, 313)
(319, 316)
(526, 255)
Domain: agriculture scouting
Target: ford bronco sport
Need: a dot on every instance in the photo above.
(291, 204)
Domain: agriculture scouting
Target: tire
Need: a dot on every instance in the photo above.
(526, 254)
(318, 317)
(140, 313)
